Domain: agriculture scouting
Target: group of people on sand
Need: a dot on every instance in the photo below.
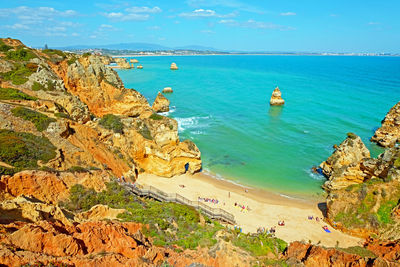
(262, 230)
(242, 208)
(317, 219)
(208, 200)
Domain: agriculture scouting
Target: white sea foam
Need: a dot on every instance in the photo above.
(314, 175)
(171, 110)
(192, 123)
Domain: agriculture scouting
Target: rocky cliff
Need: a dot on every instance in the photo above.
(161, 103)
(363, 192)
(91, 121)
(389, 133)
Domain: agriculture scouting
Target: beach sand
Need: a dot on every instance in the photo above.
(266, 208)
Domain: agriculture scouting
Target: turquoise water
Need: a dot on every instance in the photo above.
(222, 104)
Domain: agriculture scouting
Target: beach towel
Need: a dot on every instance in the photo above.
(327, 230)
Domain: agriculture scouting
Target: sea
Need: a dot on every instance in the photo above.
(221, 102)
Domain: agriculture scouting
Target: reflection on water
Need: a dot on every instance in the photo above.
(275, 111)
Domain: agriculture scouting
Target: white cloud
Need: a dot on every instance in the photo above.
(253, 24)
(205, 13)
(75, 34)
(373, 23)
(18, 26)
(288, 14)
(143, 9)
(133, 13)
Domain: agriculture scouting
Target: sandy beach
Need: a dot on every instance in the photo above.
(266, 208)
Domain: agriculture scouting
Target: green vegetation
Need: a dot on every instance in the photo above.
(20, 54)
(361, 251)
(14, 94)
(170, 224)
(40, 120)
(23, 150)
(4, 47)
(384, 212)
(52, 52)
(351, 135)
(62, 115)
(259, 244)
(6, 171)
(143, 130)
(156, 117)
(38, 86)
(397, 163)
(112, 122)
(71, 60)
(87, 54)
(77, 169)
(19, 75)
(51, 86)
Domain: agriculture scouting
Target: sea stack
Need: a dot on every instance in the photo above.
(174, 66)
(123, 63)
(161, 103)
(134, 60)
(276, 98)
(389, 133)
(167, 90)
(139, 67)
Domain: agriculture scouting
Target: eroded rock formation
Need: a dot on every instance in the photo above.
(122, 63)
(389, 133)
(174, 66)
(161, 103)
(276, 98)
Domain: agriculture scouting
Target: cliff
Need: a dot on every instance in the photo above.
(90, 119)
(389, 133)
(161, 103)
(363, 192)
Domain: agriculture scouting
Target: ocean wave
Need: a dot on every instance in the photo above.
(314, 176)
(171, 110)
(192, 123)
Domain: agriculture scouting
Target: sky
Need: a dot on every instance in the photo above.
(236, 25)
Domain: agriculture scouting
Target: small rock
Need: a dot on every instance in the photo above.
(276, 99)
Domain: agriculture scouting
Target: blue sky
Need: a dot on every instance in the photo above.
(253, 25)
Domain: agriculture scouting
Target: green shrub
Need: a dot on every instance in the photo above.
(21, 54)
(156, 117)
(143, 130)
(38, 86)
(260, 244)
(52, 52)
(385, 211)
(19, 75)
(396, 163)
(87, 54)
(361, 251)
(77, 169)
(40, 120)
(62, 115)
(23, 150)
(6, 171)
(14, 94)
(112, 122)
(71, 60)
(4, 47)
(351, 135)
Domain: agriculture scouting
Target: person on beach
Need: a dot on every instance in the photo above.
(229, 194)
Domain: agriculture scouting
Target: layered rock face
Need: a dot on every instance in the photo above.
(373, 254)
(161, 103)
(363, 192)
(70, 91)
(389, 133)
(276, 98)
(343, 167)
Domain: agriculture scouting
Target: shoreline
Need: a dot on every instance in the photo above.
(265, 208)
(312, 55)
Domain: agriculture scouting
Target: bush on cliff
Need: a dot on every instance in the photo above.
(4, 47)
(112, 122)
(20, 54)
(170, 224)
(14, 94)
(19, 75)
(40, 120)
(23, 150)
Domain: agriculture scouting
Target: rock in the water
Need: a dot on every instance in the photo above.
(342, 168)
(122, 63)
(161, 103)
(276, 98)
(167, 90)
(173, 66)
(134, 60)
(139, 67)
(389, 133)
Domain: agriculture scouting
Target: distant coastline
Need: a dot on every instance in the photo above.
(254, 54)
